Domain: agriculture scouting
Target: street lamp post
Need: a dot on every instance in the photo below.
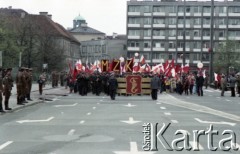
(211, 44)
(184, 34)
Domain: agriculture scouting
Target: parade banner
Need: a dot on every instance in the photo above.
(104, 65)
(116, 65)
(134, 84)
(129, 66)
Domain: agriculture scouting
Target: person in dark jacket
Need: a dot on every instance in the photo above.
(232, 80)
(155, 85)
(199, 83)
(113, 85)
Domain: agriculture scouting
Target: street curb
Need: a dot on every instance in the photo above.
(22, 106)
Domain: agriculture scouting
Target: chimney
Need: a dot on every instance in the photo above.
(23, 15)
(114, 35)
(49, 16)
(43, 13)
(10, 7)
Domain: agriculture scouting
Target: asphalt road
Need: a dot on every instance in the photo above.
(97, 125)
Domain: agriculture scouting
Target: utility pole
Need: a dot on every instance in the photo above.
(20, 59)
(184, 34)
(1, 62)
(211, 43)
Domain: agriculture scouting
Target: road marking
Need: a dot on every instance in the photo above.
(82, 122)
(212, 122)
(159, 103)
(198, 108)
(18, 110)
(163, 108)
(25, 121)
(218, 97)
(196, 146)
(71, 132)
(94, 108)
(129, 105)
(133, 150)
(174, 121)
(66, 105)
(228, 100)
(98, 103)
(5, 144)
(131, 121)
(167, 113)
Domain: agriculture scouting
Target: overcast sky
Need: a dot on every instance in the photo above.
(107, 16)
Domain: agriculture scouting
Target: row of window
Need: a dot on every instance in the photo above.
(180, 20)
(173, 44)
(192, 56)
(180, 9)
(180, 32)
(94, 48)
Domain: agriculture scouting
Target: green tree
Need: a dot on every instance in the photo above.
(227, 55)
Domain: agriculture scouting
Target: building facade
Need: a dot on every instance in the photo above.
(108, 48)
(155, 29)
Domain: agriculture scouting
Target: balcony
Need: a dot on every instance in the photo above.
(159, 25)
(197, 26)
(159, 14)
(133, 37)
(222, 38)
(223, 26)
(206, 26)
(172, 49)
(233, 14)
(159, 37)
(133, 48)
(133, 25)
(172, 14)
(197, 38)
(233, 26)
(172, 26)
(158, 49)
(158, 60)
(146, 49)
(196, 50)
(147, 14)
(172, 38)
(222, 14)
(197, 14)
(147, 26)
(134, 13)
(206, 37)
(147, 38)
(206, 14)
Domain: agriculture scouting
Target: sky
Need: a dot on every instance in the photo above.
(107, 16)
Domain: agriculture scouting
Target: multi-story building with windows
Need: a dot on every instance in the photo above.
(155, 28)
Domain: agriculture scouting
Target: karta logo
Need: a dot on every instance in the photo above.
(134, 84)
(186, 141)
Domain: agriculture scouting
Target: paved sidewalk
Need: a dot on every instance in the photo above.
(34, 96)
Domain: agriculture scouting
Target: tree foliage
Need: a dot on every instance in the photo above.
(227, 55)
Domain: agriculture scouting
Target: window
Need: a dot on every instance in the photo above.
(147, 9)
(207, 9)
(181, 9)
(158, 32)
(187, 21)
(234, 21)
(170, 56)
(196, 56)
(197, 33)
(206, 44)
(188, 44)
(197, 9)
(233, 33)
(172, 21)
(146, 55)
(188, 9)
(147, 44)
(133, 44)
(197, 21)
(205, 57)
(222, 33)
(147, 21)
(171, 9)
(172, 45)
(158, 44)
(180, 33)
(206, 32)
(180, 45)
(180, 21)
(155, 56)
(197, 45)
(159, 21)
(206, 21)
(134, 32)
(134, 20)
(234, 9)
(222, 21)
(134, 9)
(222, 9)
(158, 9)
(172, 32)
(147, 32)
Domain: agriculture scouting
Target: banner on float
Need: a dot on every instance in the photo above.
(116, 66)
(134, 84)
(129, 66)
(104, 65)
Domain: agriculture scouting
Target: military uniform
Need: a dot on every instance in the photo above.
(29, 84)
(8, 84)
(113, 85)
(1, 90)
(19, 85)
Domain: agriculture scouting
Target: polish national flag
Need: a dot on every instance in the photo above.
(186, 68)
(142, 60)
(136, 67)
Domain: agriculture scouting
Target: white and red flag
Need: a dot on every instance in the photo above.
(142, 60)
(136, 67)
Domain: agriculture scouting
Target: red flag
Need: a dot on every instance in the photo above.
(177, 68)
(70, 68)
(166, 65)
(186, 68)
(142, 60)
(74, 75)
(136, 67)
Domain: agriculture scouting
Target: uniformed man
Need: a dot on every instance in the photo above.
(53, 78)
(8, 84)
(25, 84)
(62, 78)
(113, 85)
(29, 84)
(1, 90)
(98, 84)
(19, 86)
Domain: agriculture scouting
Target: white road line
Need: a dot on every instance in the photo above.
(228, 100)
(218, 97)
(89, 113)
(71, 132)
(159, 103)
(5, 144)
(82, 122)
(196, 145)
(163, 108)
(174, 121)
(18, 110)
(167, 113)
(94, 108)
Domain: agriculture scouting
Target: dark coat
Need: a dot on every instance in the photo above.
(113, 84)
(155, 83)
(199, 81)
